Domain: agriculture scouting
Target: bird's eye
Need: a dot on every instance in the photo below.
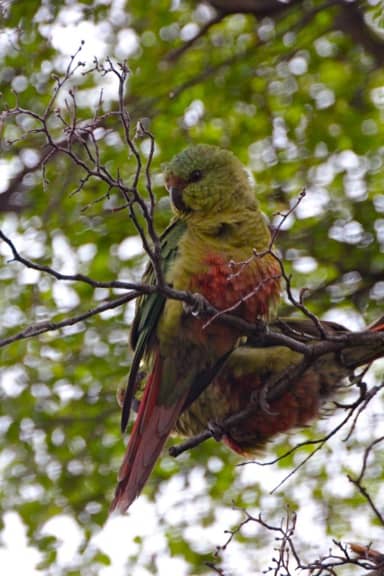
(195, 176)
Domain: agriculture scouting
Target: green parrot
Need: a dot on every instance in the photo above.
(251, 367)
(209, 249)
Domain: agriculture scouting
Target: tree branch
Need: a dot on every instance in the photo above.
(288, 560)
(49, 326)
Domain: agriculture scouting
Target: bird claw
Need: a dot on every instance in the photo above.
(216, 430)
(198, 306)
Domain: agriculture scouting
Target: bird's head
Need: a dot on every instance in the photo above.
(207, 180)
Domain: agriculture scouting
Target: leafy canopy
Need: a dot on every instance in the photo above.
(296, 91)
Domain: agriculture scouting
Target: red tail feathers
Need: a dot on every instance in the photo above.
(150, 431)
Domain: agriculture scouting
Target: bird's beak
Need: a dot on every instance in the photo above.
(175, 187)
(177, 199)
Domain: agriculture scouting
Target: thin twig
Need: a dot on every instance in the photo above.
(42, 327)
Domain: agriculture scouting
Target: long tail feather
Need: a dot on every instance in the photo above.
(150, 431)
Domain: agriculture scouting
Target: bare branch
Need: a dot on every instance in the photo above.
(283, 536)
(49, 326)
(288, 560)
(17, 257)
(358, 481)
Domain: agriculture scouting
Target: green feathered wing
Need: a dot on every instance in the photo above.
(148, 310)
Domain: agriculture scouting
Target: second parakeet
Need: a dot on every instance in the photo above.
(252, 371)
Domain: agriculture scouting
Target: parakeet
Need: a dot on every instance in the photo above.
(250, 368)
(208, 249)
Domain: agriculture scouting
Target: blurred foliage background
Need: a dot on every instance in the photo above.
(296, 90)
